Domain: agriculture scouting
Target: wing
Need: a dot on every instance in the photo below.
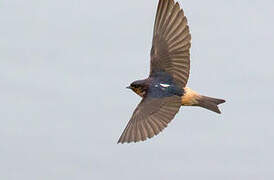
(171, 44)
(150, 117)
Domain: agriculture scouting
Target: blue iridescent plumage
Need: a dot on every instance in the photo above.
(162, 85)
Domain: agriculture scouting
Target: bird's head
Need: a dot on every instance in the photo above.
(139, 87)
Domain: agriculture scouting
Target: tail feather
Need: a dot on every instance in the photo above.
(210, 103)
(192, 98)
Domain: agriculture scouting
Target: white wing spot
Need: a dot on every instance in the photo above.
(165, 85)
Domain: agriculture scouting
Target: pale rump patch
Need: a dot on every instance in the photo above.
(190, 97)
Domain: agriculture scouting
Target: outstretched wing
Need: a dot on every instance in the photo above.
(150, 117)
(171, 44)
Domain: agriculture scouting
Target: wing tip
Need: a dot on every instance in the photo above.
(124, 141)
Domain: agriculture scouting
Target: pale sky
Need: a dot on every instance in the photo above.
(64, 66)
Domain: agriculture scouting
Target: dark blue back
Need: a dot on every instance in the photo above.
(162, 85)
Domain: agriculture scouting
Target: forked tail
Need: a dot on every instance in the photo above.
(191, 98)
(210, 103)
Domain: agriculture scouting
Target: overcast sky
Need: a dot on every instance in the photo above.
(64, 66)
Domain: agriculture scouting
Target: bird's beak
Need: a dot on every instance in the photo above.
(128, 87)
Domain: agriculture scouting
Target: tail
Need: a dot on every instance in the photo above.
(191, 98)
(210, 103)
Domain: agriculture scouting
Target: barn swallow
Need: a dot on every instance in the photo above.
(165, 91)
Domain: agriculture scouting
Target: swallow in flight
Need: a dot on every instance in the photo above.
(165, 91)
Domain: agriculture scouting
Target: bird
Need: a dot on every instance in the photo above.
(164, 92)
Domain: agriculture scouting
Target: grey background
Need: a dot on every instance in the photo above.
(64, 66)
